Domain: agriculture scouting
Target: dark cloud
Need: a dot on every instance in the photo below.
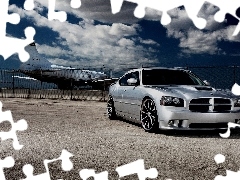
(100, 10)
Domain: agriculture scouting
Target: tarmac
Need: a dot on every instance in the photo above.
(83, 129)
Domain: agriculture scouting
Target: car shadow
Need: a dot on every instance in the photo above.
(128, 121)
(235, 133)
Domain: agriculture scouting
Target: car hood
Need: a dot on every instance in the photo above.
(190, 92)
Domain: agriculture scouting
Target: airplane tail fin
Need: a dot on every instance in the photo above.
(36, 61)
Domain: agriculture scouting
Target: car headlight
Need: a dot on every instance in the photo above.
(236, 102)
(171, 101)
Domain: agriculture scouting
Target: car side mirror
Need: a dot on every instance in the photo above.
(132, 81)
(206, 82)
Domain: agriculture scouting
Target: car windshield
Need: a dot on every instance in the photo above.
(169, 77)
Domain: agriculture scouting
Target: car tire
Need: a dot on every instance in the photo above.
(111, 109)
(148, 116)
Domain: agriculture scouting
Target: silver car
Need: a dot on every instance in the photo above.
(169, 98)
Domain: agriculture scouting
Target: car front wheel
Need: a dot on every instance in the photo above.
(148, 115)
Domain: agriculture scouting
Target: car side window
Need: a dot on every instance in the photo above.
(123, 80)
(135, 75)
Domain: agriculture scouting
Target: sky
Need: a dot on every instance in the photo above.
(93, 37)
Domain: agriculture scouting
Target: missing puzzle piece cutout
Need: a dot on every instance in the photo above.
(228, 132)
(230, 175)
(230, 7)
(192, 9)
(139, 168)
(10, 45)
(61, 15)
(236, 89)
(8, 162)
(21, 125)
(87, 173)
(29, 4)
(67, 165)
(52, 14)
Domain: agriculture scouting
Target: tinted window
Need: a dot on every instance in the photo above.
(169, 77)
(123, 80)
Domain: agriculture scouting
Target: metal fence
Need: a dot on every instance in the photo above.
(16, 84)
(218, 77)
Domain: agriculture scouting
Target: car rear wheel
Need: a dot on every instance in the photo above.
(149, 116)
(111, 109)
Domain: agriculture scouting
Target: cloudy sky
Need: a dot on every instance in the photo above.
(92, 36)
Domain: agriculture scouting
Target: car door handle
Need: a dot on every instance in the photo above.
(124, 90)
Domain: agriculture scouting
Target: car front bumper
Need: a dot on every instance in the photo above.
(188, 120)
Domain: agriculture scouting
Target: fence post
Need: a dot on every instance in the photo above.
(104, 89)
(2, 82)
(71, 89)
(29, 93)
(71, 86)
(41, 85)
(13, 84)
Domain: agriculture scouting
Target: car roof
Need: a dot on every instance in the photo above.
(149, 68)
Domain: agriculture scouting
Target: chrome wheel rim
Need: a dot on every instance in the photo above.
(148, 114)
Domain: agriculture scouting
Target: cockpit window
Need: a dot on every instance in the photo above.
(169, 77)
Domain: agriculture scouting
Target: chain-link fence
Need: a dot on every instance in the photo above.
(218, 77)
(17, 84)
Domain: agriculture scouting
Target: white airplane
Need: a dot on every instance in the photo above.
(40, 68)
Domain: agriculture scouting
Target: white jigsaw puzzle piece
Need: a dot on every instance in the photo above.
(192, 9)
(87, 173)
(52, 14)
(76, 4)
(6, 163)
(228, 132)
(28, 171)
(138, 168)
(219, 158)
(17, 45)
(21, 125)
(227, 6)
(236, 89)
(67, 165)
(29, 5)
(230, 175)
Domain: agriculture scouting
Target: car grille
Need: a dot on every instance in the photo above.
(208, 125)
(210, 105)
